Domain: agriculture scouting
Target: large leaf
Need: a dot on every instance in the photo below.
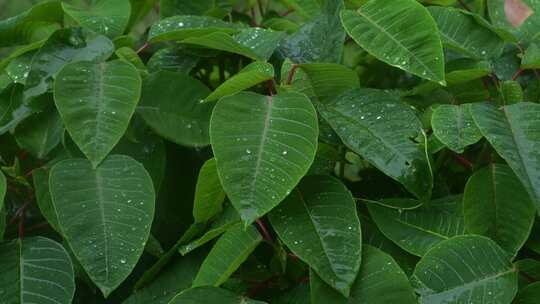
(35, 270)
(64, 46)
(210, 295)
(96, 102)
(171, 106)
(454, 126)
(381, 128)
(209, 194)
(514, 132)
(318, 222)
(183, 27)
(107, 17)
(419, 229)
(40, 133)
(28, 26)
(104, 214)
(460, 32)
(496, 204)
(466, 269)
(380, 281)
(229, 252)
(264, 154)
(249, 76)
(401, 33)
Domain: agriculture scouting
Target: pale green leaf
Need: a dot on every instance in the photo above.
(107, 17)
(209, 194)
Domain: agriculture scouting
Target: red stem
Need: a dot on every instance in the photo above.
(465, 163)
(292, 72)
(144, 47)
(286, 13)
(22, 217)
(464, 5)
(486, 89)
(517, 74)
(271, 87)
(264, 231)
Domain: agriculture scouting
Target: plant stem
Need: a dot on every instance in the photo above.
(292, 72)
(264, 231)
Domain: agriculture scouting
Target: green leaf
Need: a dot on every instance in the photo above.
(40, 177)
(189, 7)
(514, 132)
(96, 102)
(209, 194)
(171, 106)
(420, 229)
(526, 29)
(528, 295)
(496, 205)
(41, 133)
(511, 92)
(454, 126)
(13, 109)
(129, 55)
(64, 46)
(104, 214)
(461, 33)
(107, 17)
(254, 43)
(381, 128)
(210, 295)
(380, 281)
(229, 252)
(401, 33)
(29, 25)
(329, 80)
(35, 270)
(318, 222)
(531, 57)
(264, 154)
(249, 76)
(183, 27)
(3, 189)
(173, 59)
(465, 269)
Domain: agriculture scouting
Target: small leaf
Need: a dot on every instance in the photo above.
(249, 76)
(210, 295)
(104, 214)
(454, 126)
(171, 106)
(96, 102)
(35, 270)
(318, 222)
(107, 17)
(229, 252)
(465, 269)
(496, 205)
(209, 194)
(264, 154)
(401, 33)
(41, 133)
(183, 27)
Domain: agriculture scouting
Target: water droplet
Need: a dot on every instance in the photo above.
(379, 117)
(123, 261)
(248, 151)
(284, 152)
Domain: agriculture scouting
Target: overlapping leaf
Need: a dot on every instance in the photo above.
(454, 126)
(183, 27)
(210, 295)
(209, 194)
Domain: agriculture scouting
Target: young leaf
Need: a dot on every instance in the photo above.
(401, 33)
(107, 17)
(35, 270)
(454, 126)
(318, 222)
(465, 269)
(249, 76)
(379, 127)
(229, 252)
(183, 27)
(171, 106)
(210, 295)
(209, 194)
(420, 229)
(264, 154)
(514, 132)
(380, 281)
(104, 214)
(496, 205)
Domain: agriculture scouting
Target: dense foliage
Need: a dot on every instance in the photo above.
(270, 151)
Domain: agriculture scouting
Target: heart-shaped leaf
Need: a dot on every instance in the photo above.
(104, 214)
(264, 154)
(96, 102)
(35, 270)
(107, 17)
(454, 126)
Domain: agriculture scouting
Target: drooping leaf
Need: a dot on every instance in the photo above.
(318, 222)
(465, 269)
(401, 33)
(379, 127)
(229, 252)
(35, 270)
(107, 17)
(210, 295)
(454, 126)
(171, 106)
(96, 102)
(104, 214)
(514, 132)
(183, 27)
(264, 154)
(209, 194)
(379, 281)
(496, 205)
(249, 76)
(418, 230)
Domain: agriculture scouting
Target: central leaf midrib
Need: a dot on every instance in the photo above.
(101, 199)
(99, 105)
